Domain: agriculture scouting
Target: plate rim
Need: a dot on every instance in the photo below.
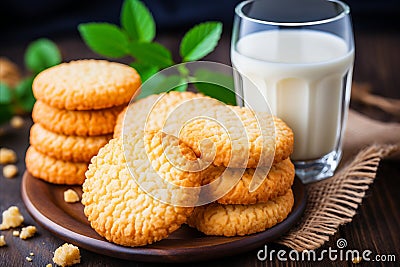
(149, 254)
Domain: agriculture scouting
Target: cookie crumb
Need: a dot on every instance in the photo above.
(15, 233)
(27, 232)
(28, 259)
(2, 241)
(49, 265)
(10, 171)
(356, 260)
(7, 156)
(31, 254)
(17, 122)
(67, 255)
(71, 196)
(11, 218)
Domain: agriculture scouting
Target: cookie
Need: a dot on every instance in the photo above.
(66, 147)
(151, 112)
(232, 220)
(82, 123)
(279, 179)
(86, 85)
(52, 170)
(116, 204)
(241, 138)
(194, 118)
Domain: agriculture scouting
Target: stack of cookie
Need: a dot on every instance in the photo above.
(250, 195)
(124, 197)
(75, 114)
(243, 147)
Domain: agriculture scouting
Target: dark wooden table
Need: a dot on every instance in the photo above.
(376, 226)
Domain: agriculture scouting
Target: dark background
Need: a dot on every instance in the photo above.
(22, 21)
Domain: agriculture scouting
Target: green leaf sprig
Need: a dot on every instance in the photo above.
(40, 55)
(135, 37)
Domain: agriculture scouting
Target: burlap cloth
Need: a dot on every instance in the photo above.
(334, 201)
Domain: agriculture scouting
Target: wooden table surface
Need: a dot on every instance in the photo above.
(376, 226)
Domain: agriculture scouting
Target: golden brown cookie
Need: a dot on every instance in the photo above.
(52, 170)
(86, 85)
(231, 220)
(66, 147)
(151, 111)
(194, 118)
(278, 181)
(82, 123)
(242, 138)
(115, 203)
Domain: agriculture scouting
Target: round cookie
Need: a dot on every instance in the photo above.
(66, 147)
(86, 85)
(278, 182)
(81, 123)
(115, 204)
(245, 139)
(194, 117)
(52, 170)
(151, 111)
(231, 220)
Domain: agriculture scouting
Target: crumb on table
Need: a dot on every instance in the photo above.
(67, 255)
(17, 122)
(7, 156)
(11, 218)
(27, 232)
(2, 241)
(71, 196)
(10, 171)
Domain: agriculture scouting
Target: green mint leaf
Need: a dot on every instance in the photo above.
(218, 85)
(137, 21)
(145, 71)
(24, 87)
(200, 40)
(105, 39)
(5, 113)
(24, 94)
(5, 94)
(153, 54)
(42, 54)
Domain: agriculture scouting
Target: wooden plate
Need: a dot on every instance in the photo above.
(45, 202)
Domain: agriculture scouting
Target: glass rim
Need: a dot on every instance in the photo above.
(345, 12)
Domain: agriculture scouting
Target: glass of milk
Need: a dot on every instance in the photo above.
(300, 55)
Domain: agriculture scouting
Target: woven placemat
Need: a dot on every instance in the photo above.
(334, 201)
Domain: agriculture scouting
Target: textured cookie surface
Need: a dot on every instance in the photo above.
(231, 220)
(82, 123)
(278, 181)
(196, 118)
(242, 138)
(52, 170)
(66, 147)
(117, 207)
(86, 85)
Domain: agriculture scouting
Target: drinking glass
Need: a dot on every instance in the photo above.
(300, 55)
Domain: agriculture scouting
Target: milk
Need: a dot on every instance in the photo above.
(301, 73)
